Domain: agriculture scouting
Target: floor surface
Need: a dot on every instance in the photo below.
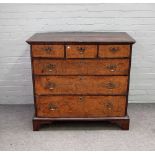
(16, 132)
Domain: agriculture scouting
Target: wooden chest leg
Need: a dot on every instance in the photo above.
(123, 124)
(36, 125)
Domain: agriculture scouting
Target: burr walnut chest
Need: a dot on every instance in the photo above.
(81, 76)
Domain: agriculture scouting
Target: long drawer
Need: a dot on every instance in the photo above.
(81, 67)
(95, 85)
(80, 106)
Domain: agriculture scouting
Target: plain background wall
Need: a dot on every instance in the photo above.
(19, 21)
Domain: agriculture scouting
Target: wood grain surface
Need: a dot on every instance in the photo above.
(114, 51)
(80, 106)
(81, 67)
(104, 85)
(50, 51)
(81, 51)
(81, 37)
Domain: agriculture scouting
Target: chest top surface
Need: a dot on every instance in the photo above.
(86, 37)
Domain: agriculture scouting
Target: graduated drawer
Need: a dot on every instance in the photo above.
(114, 51)
(108, 85)
(81, 67)
(80, 106)
(51, 51)
(81, 51)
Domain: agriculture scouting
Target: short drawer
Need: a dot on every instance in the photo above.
(103, 85)
(114, 51)
(81, 67)
(80, 106)
(81, 51)
(51, 51)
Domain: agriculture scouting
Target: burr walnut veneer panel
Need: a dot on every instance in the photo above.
(81, 67)
(114, 51)
(80, 106)
(49, 51)
(95, 85)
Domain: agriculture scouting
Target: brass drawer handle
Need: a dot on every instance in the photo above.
(111, 67)
(81, 98)
(48, 50)
(81, 50)
(50, 86)
(50, 67)
(81, 78)
(52, 107)
(110, 85)
(114, 49)
(109, 105)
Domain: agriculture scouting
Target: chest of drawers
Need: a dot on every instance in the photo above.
(81, 76)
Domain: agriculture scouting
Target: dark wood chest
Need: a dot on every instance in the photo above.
(81, 76)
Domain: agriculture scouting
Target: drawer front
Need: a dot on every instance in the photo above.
(81, 67)
(81, 51)
(51, 51)
(80, 106)
(108, 85)
(114, 51)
